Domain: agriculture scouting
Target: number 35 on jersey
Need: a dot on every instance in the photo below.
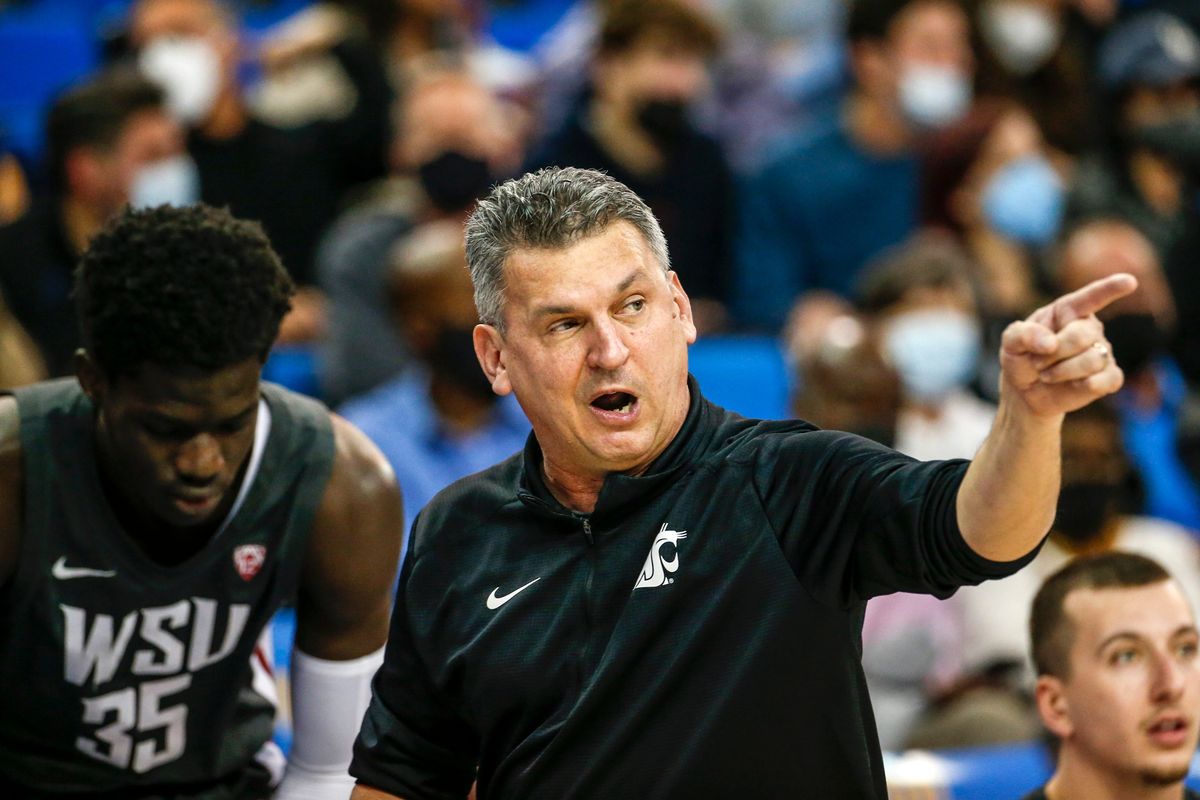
(144, 726)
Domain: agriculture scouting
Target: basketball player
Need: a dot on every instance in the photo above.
(156, 511)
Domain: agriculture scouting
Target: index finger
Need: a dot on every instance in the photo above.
(1091, 298)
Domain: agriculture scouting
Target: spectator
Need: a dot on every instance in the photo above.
(779, 73)
(1154, 398)
(409, 31)
(1150, 68)
(1178, 140)
(648, 71)
(439, 421)
(820, 210)
(291, 180)
(400, 36)
(996, 185)
(1093, 517)
(110, 142)
(1038, 53)
(453, 140)
(923, 311)
(844, 383)
(1114, 645)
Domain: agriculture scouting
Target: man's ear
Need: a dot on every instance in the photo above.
(489, 349)
(1053, 707)
(91, 378)
(683, 307)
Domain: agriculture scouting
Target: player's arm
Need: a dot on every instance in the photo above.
(342, 614)
(346, 588)
(10, 487)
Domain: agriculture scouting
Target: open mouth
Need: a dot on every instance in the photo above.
(1169, 730)
(1168, 725)
(617, 402)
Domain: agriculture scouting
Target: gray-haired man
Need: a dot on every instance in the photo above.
(658, 598)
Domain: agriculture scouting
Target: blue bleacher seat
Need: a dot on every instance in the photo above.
(40, 55)
(746, 374)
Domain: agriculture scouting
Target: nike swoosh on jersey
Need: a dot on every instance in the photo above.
(61, 571)
(494, 602)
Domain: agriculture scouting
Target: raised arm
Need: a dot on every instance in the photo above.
(342, 614)
(1052, 363)
(10, 487)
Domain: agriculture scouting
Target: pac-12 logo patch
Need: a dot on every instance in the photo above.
(248, 559)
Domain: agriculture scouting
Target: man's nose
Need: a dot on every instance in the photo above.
(199, 460)
(1169, 678)
(608, 350)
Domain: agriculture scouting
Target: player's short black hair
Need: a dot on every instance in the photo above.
(179, 287)
(93, 114)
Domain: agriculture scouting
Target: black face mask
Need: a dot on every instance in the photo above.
(1177, 139)
(1084, 508)
(453, 180)
(453, 359)
(666, 121)
(1136, 341)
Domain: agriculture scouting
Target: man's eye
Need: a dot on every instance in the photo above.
(1125, 656)
(1188, 649)
(563, 325)
(161, 431)
(636, 304)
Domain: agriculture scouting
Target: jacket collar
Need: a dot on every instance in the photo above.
(694, 439)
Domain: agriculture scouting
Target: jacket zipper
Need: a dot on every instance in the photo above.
(585, 661)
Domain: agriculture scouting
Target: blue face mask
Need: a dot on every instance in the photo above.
(934, 352)
(1024, 201)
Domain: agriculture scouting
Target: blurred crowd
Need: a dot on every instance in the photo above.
(881, 184)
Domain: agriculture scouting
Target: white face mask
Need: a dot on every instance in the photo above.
(933, 96)
(189, 70)
(934, 351)
(1022, 36)
(172, 181)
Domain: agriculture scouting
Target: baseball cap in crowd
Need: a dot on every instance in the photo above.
(1151, 48)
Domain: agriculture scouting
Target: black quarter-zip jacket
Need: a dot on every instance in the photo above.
(697, 636)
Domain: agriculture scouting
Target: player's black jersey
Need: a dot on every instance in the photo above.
(118, 674)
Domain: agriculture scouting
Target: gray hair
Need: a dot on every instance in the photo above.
(549, 209)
